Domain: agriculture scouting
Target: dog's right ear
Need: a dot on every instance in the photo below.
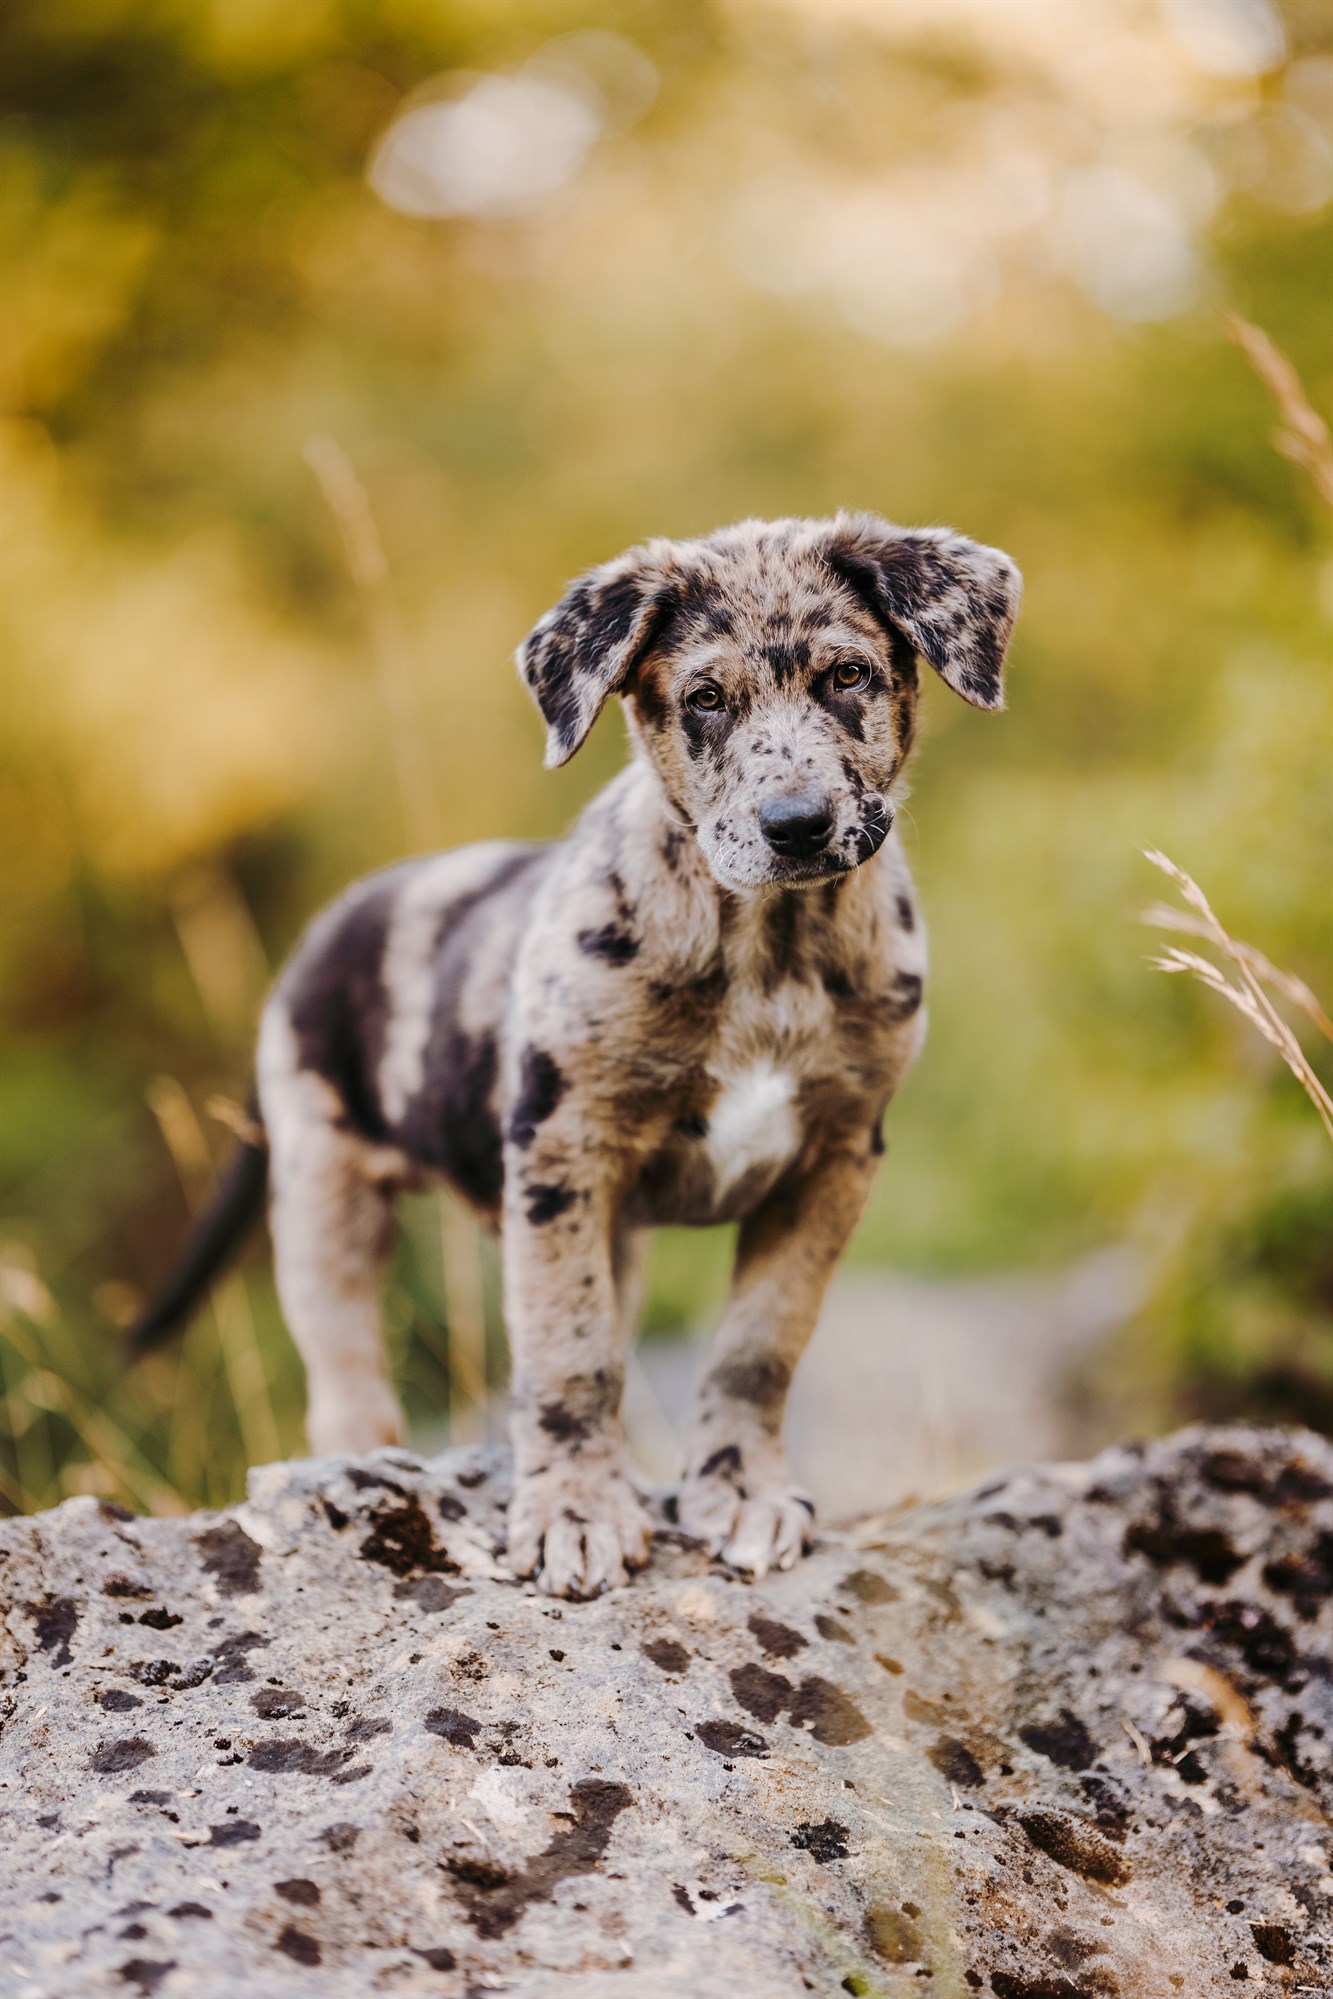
(586, 648)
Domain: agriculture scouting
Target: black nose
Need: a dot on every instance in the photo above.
(799, 825)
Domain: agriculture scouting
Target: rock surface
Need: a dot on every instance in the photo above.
(1066, 1737)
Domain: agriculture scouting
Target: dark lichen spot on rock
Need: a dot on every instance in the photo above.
(823, 1842)
(191, 1910)
(342, 1837)
(1274, 1942)
(667, 1654)
(288, 1757)
(305, 1894)
(56, 1621)
(955, 1762)
(1165, 1539)
(234, 1832)
(1065, 1741)
(778, 1640)
(432, 1593)
(1074, 1843)
(760, 1693)
(890, 1665)
(277, 1703)
(832, 1716)
(145, 1972)
(892, 1935)
(493, 1901)
(402, 1540)
(115, 1700)
(127, 1754)
(451, 1507)
(1046, 1985)
(868, 1587)
(231, 1558)
(728, 1738)
(1306, 1578)
(453, 1726)
(829, 1628)
(160, 1619)
(368, 1727)
(298, 1945)
(437, 1956)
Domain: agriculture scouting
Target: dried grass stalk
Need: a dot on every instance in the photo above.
(1302, 436)
(1247, 994)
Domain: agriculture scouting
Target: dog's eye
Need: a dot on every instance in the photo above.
(850, 676)
(706, 696)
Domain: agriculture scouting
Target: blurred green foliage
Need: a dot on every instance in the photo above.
(196, 751)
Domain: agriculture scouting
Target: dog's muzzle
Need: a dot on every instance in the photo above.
(799, 826)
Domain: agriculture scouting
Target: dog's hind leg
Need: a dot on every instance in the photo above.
(331, 1216)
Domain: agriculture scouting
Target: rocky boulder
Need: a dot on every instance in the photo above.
(1069, 1736)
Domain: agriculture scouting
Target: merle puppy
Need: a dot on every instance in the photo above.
(693, 1010)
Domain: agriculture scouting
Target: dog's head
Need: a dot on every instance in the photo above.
(770, 671)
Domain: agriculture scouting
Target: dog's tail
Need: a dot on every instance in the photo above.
(215, 1236)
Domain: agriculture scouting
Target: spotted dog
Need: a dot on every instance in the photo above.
(693, 1010)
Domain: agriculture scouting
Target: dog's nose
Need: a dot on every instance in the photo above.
(799, 825)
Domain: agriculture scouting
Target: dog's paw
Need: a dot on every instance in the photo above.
(577, 1535)
(753, 1529)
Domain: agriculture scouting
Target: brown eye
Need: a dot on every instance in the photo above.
(850, 676)
(707, 696)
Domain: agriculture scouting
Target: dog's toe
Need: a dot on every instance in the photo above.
(770, 1532)
(576, 1543)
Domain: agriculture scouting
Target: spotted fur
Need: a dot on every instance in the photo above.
(684, 1013)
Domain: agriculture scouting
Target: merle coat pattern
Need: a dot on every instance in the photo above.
(694, 1009)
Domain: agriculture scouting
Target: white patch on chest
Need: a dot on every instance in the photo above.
(752, 1123)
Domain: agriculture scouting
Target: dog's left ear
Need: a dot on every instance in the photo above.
(586, 648)
(954, 600)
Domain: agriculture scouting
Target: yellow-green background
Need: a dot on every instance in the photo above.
(196, 751)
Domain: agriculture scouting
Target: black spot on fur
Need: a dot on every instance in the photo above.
(905, 912)
(563, 1424)
(540, 1089)
(724, 1462)
(339, 1009)
(612, 944)
(545, 1202)
(904, 997)
(763, 1381)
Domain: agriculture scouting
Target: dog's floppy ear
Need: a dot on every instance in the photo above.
(586, 648)
(954, 600)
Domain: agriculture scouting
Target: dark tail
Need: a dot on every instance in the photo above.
(207, 1249)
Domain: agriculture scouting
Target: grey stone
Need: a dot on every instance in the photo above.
(1067, 1736)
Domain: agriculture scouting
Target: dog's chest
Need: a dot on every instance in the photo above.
(753, 1124)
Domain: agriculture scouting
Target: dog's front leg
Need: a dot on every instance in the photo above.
(737, 1494)
(574, 1521)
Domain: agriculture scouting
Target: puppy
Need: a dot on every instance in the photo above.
(695, 1009)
